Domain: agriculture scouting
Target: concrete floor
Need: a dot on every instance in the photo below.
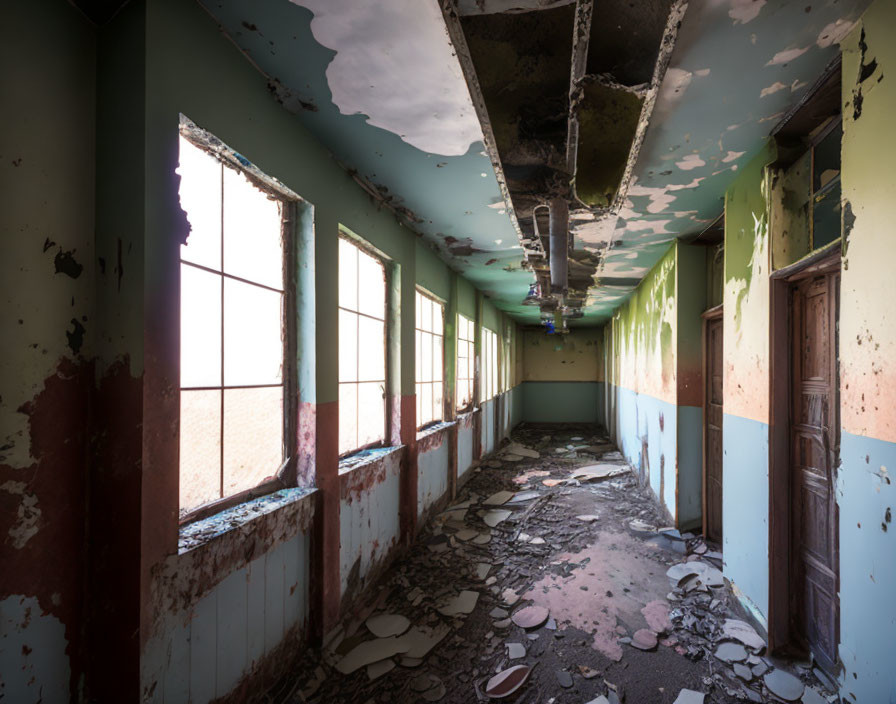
(590, 551)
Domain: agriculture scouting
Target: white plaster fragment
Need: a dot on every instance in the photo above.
(731, 156)
(786, 56)
(834, 33)
(413, 87)
(772, 89)
(702, 72)
(691, 161)
(743, 11)
(27, 514)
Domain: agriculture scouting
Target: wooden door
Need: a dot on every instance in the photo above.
(813, 447)
(712, 435)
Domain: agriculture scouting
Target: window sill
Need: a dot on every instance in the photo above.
(197, 533)
(365, 457)
(434, 428)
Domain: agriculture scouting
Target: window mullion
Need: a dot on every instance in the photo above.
(221, 419)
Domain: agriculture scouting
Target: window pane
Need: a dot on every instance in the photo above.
(371, 286)
(437, 402)
(418, 355)
(200, 198)
(418, 309)
(426, 404)
(253, 436)
(419, 394)
(253, 346)
(200, 448)
(348, 275)
(437, 358)
(426, 374)
(253, 246)
(200, 327)
(437, 324)
(371, 413)
(462, 370)
(425, 313)
(371, 349)
(348, 346)
(348, 418)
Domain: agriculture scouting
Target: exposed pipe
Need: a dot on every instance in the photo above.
(559, 245)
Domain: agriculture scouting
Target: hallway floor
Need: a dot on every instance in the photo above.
(553, 558)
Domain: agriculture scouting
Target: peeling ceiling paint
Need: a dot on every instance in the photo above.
(378, 84)
(411, 84)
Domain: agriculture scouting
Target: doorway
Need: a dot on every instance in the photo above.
(804, 608)
(713, 412)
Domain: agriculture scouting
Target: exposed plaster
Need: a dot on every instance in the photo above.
(27, 513)
(413, 87)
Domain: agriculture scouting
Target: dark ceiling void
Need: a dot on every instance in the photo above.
(562, 90)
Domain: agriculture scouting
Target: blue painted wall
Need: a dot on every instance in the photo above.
(745, 510)
(690, 467)
(561, 401)
(647, 429)
(866, 490)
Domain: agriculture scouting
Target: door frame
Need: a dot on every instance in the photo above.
(709, 315)
(826, 261)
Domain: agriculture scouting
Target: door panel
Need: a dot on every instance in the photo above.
(713, 430)
(813, 438)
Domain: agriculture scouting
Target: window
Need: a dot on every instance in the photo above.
(489, 380)
(466, 361)
(430, 359)
(825, 199)
(233, 335)
(362, 348)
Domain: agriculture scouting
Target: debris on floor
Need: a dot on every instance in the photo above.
(553, 577)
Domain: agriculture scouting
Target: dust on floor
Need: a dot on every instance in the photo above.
(550, 579)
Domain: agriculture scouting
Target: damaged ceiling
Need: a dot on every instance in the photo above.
(637, 115)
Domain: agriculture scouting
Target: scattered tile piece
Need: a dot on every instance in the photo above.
(530, 617)
(564, 679)
(462, 603)
(783, 685)
(371, 651)
(466, 534)
(588, 517)
(498, 612)
(587, 672)
(521, 450)
(811, 696)
(419, 640)
(515, 650)
(495, 516)
(644, 639)
(385, 625)
(641, 527)
(509, 597)
(742, 671)
(689, 696)
(507, 682)
(482, 570)
(744, 632)
(551, 482)
(482, 538)
(378, 669)
(498, 498)
(731, 652)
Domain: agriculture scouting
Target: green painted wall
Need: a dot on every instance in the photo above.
(432, 274)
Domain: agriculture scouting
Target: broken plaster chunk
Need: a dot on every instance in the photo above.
(385, 625)
(462, 603)
(482, 538)
(644, 639)
(536, 541)
(600, 700)
(378, 669)
(588, 517)
(509, 597)
(507, 682)
(521, 450)
(743, 632)
(498, 498)
(531, 617)
(784, 685)
(731, 652)
(419, 640)
(641, 527)
(371, 651)
(689, 696)
(495, 516)
(515, 651)
(482, 570)
(466, 534)
(498, 612)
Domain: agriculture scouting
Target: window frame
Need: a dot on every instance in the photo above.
(471, 362)
(420, 291)
(384, 262)
(285, 476)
